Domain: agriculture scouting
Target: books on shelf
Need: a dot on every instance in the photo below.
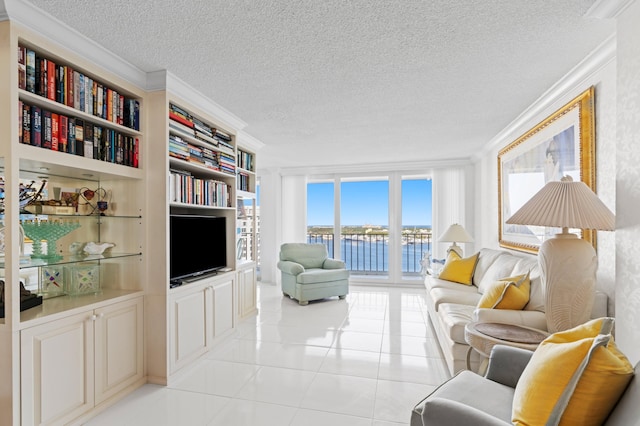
(62, 84)
(243, 180)
(245, 160)
(188, 189)
(72, 135)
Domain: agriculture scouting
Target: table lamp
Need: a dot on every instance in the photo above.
(568, 264)
(455, 234)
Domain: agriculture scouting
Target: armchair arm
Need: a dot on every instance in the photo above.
(333, 264)
(506, 364)
(291, 268)
(442, 412)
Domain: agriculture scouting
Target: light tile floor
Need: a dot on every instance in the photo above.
(366, 360)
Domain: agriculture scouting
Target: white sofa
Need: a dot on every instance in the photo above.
(451, 305)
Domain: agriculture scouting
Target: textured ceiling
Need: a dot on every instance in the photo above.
(337, 82)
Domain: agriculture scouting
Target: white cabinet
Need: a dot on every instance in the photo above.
(70, 365)
(200, 312)
(246, 290)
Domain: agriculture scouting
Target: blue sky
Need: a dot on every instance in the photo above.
(368, 203)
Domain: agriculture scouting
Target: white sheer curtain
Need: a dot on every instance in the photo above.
(294, 209)
(449, 206)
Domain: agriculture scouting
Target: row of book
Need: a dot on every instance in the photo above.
(243, 180)
(62, 84)
(203, 156)
(58, 132)
(181, 120)
(188, 189)
(245, 160)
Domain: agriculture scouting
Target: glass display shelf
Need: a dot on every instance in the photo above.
(26, 262)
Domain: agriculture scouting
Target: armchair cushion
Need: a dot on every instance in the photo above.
(333, 264)
(307, 255)
(313, 276)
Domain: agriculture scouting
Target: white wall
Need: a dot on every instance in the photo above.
(599, 70)
(627, 244)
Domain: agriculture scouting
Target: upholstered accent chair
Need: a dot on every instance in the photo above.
(309, 274)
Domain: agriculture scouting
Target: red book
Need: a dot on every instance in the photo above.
(69, 97)
(55, 131)
(136, 152)
(62, 130)
(51, 80)
(180, 119)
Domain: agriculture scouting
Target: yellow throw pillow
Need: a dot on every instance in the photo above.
(507, 293)
(575, 377)
(459, 270)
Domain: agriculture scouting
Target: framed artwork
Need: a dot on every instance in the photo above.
(562, 144)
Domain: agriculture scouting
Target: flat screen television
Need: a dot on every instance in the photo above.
(198, 246)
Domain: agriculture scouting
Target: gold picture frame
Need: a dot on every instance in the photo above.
(562, 144)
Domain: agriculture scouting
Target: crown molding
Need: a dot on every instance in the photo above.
(572, 81)
(165, 80)
(3, 12)
(355, 169)
(245, 140)
(607, 9)
(45, 25)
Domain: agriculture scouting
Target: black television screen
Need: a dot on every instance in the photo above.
(198, 245)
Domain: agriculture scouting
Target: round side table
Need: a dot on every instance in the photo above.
(482, 337)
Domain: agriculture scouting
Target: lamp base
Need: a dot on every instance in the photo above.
(568, 267)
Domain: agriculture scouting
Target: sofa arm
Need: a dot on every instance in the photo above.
(443, 412)
(506, 364)
(532, 319)
(333, 264)
(291, 268)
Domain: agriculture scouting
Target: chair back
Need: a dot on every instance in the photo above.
(308, 255)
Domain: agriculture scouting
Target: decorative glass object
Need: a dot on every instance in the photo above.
(51, 231)
(82, 279)
(51, 282)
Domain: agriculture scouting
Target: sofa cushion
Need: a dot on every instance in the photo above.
(432, 282)
(459, 270)
(312, 276)
(446, 295)
(507, 293)
(574, 377)
(453, 318)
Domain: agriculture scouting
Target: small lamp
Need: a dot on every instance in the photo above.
(568, 264)
(455, 233)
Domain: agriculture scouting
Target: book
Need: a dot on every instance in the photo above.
(46, 129)
(136, 152)
(97, 138)
(180, 119)
(55, 131)
(36, 126)
(79, 137)
(76, 90)
(26, 124)
(71, 136)
(20, 128)
(51, 80)
(60, 83)
(30, 70)
(81, 98)
(88, 140)
(22, 67)
(70, 88)
(64, 129)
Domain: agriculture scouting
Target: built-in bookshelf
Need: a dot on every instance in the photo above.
(246, 171)
(85, 159)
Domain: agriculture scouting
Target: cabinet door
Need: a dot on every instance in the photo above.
(57, 370)
(247, 287)
(223, 307)
(189, 331)
(119, 347)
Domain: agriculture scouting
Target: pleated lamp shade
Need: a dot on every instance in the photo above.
(565, 204)
(568, 264)
(456, 233)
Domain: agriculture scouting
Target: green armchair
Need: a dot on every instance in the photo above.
(309, 274)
